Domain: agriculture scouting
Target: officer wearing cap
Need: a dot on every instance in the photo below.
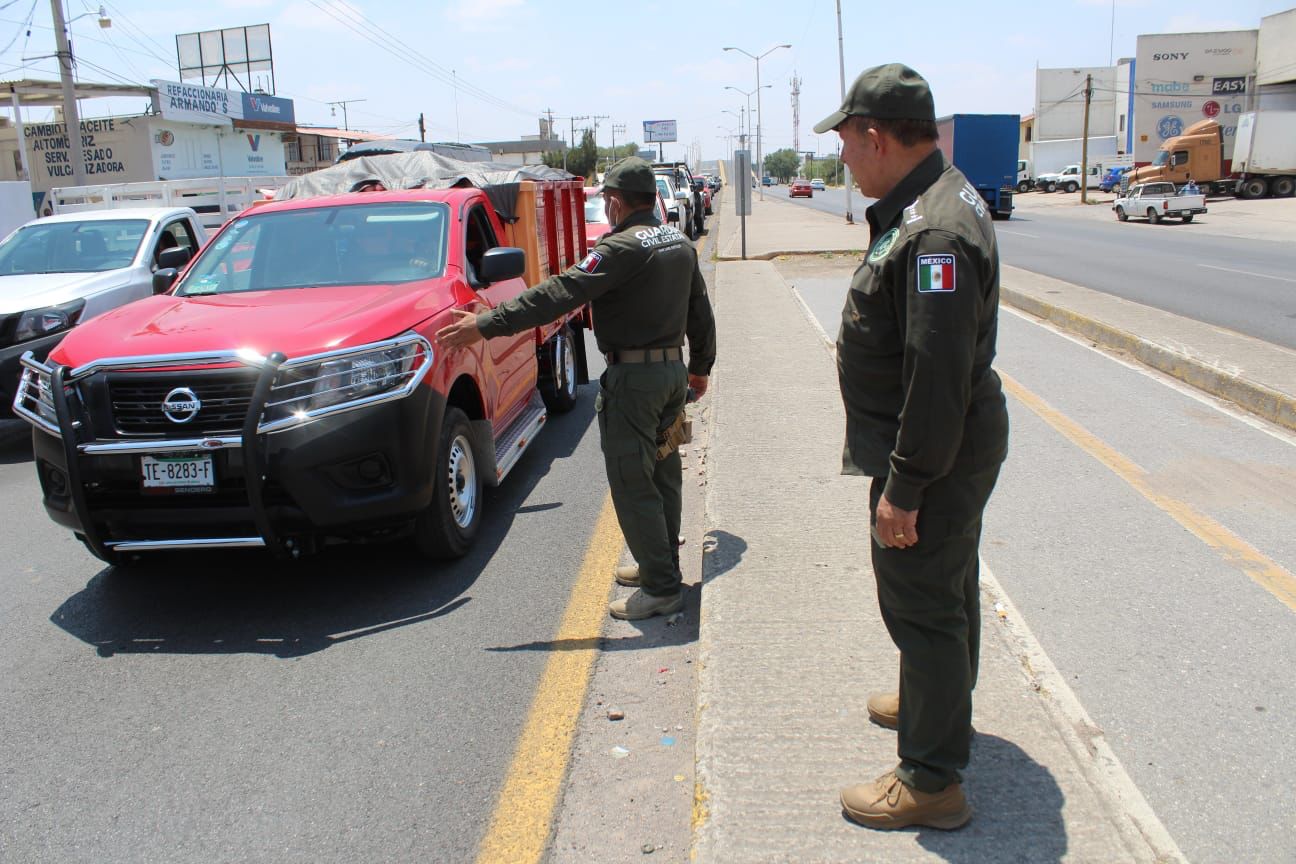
(926, 419)
(647, 294)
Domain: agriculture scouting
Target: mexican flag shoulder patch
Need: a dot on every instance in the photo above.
(590, 262)
(935, 273)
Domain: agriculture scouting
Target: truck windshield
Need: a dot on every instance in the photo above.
(1161, 158)
(72, 247)
(364, 244)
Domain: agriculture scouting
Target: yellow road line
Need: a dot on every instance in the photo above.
(520, 824)
(1262, 570)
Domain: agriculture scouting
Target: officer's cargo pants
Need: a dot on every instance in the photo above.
(636, 400)
(929, 597)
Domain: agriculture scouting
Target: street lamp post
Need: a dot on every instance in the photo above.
(841, 69)
(748, 94)
(759, 157)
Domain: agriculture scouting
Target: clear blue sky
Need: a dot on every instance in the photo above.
(515, 58)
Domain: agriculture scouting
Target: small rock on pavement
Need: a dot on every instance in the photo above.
(648, 848)
(615, 714)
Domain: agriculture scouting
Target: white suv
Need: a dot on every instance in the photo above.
(679, 202)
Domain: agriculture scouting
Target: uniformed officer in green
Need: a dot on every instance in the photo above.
(647, 294)
(926, 419)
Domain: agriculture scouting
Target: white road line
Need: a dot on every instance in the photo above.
(1017, 233)
(1188, 390)
(1248, 273)
(1130, 812)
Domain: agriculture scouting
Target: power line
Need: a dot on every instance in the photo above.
(22, 27)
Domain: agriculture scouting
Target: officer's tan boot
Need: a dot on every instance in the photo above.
(884, 709)
(887, 803)
(640, 605)
(627, 575)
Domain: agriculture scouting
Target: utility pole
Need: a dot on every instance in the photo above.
(549, 130)
(841, 69)
(1084, 144)
(616, 127)
(71, 120)
(573, 138)
(796, 113)
(422, 128)
(333, 107)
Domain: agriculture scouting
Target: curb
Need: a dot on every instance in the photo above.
(1276, 407)
(770, 256)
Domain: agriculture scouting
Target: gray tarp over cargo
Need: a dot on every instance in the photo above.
(423, 170)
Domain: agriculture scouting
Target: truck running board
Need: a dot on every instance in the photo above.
(514, 442)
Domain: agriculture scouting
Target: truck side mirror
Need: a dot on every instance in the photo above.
(500, 263)
(165, 278)
(174, 258)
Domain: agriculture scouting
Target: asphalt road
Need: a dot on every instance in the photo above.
(1172, 645)
(1245, 285)
(358, 706)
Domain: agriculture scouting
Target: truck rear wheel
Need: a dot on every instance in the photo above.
(446, 528)
(1187, 217)
(1254, 187)
(558, 371)
(1283, 187)
(1153, 216)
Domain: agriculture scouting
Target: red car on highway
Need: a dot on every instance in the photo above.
(801, 189)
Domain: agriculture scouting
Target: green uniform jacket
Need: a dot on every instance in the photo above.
(643, 281)
(918, 337)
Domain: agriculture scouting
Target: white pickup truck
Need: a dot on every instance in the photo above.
(1156, 201)
(1068, 179)
(60, 270)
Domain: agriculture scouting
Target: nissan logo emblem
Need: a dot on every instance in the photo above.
(181, 405)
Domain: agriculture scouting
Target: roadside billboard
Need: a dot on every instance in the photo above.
(182, 151)
(1060, 102)
(1182, 78)
(659, 131)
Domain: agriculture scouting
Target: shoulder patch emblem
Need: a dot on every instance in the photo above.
(935, 274)
(590, 262)
(883, 246)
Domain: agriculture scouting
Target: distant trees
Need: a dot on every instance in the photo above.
(783, 164)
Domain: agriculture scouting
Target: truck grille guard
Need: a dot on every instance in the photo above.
(288, 394)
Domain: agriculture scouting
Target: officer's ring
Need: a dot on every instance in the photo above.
(899, 533)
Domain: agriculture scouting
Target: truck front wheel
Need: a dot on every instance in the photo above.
(446, 528)
(1050, 186)
(1024, 186)
(1121, 214)
(558, 371)
(1071, 186)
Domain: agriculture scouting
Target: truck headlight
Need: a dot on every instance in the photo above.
(364, 375)
(44, 322)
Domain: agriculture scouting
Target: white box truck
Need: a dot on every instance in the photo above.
(1264, 154)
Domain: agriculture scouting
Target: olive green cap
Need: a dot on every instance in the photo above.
(889, 92)
(631, 174)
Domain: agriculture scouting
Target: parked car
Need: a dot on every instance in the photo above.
(702, 187)
(801, 189)
(1112, 179)
(596, 220)
(1157, 201)
(285, 392)
(684, 180)
(61, 270)
(679, 204)
(767, 181)
(817, 184)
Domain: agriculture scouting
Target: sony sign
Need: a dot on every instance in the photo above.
(1171, 55)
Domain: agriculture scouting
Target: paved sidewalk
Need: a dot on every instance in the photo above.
(791, 640)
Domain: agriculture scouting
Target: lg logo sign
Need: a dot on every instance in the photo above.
(1172, 55)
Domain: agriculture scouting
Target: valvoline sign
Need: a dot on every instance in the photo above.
(270, 109)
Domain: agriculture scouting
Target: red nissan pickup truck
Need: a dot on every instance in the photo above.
(285, 391)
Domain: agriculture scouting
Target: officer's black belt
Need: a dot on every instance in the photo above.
(643, 355)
